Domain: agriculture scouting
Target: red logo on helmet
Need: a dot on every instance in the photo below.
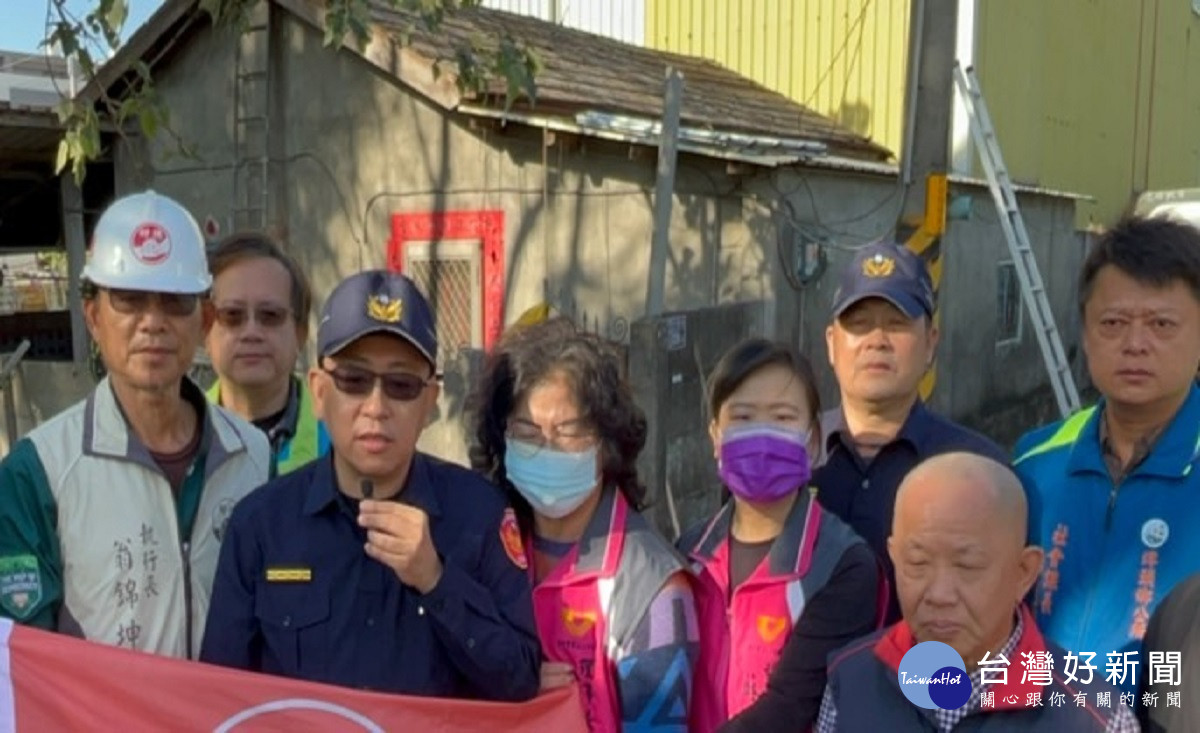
(151, 244)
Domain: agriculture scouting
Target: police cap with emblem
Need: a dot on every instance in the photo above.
(889, 271)
(376, 301)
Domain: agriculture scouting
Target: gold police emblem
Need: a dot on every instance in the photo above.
(878, 266)
(383, 308)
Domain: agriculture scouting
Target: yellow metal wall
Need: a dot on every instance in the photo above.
(843, 58)
(1096, 96)
(1101, 97)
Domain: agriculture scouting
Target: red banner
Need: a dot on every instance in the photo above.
(54, 682)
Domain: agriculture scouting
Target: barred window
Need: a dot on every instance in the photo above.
(1008, 304)
(448, 273)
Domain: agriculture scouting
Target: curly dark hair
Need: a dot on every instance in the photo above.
(526, 357)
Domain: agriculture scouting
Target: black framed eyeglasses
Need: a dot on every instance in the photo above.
(359, 382)
(266, 315)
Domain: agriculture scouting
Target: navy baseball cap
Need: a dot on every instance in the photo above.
(889, 271)
(376, 301)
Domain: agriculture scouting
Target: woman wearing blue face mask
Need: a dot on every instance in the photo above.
(555, 424)
(773, 570)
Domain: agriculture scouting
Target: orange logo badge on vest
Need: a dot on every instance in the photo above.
(510, 537)
(770, 627)
(578, 623)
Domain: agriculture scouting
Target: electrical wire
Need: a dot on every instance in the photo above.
(784, 265)
(857, 50)
(826, 232)
(862, 15)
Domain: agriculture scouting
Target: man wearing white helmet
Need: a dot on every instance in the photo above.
(113, 511)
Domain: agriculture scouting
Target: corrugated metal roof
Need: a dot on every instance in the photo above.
(585, 72)
(758, 150)
(624, 20)
(844, 58)
(839, 163)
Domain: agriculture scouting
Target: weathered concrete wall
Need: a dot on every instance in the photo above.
(999, 389)
(198, 88)
(675, 353)
(1003, 389)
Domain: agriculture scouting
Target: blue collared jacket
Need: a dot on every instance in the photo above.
(1112, 550)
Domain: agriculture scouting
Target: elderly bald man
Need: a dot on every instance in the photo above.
(962, 569)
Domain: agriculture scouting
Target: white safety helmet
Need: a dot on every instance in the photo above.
(149, 242)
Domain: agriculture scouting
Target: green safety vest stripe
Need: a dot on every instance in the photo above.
(304, 446)
(1195, 452)
(1066, 434)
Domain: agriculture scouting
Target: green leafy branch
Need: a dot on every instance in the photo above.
(479, 62)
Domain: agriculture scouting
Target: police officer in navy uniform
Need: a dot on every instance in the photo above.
(881, 340)
(377, 566)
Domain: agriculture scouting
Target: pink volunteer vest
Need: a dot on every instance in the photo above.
(741, 639)
(572, 620)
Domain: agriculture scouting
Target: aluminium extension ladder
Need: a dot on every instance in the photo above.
(1033, 289)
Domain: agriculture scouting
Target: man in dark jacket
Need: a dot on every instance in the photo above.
(881, 340)
(962, 570)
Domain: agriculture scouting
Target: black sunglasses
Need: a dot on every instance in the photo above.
(176, 305)
(360, 382)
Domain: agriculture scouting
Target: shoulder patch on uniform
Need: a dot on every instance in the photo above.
(20, 585)
(510, 537)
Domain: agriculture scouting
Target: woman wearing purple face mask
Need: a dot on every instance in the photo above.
(780, 582)
(555, 425)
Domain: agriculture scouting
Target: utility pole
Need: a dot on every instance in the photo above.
(664, 192)
(928, 108)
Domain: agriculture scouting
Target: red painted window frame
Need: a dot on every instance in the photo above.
(485, 225)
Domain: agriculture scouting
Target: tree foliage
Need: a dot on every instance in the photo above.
(95, 35)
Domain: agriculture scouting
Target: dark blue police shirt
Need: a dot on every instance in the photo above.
(863, 492)
(343, 618)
